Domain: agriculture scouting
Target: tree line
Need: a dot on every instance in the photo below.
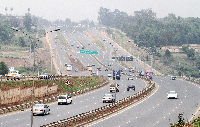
(147, 30)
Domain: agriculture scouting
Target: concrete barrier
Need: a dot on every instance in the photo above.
(88, 117)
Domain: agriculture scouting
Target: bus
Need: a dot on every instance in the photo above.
(149, 74)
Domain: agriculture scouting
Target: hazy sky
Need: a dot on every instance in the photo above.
(78, 10)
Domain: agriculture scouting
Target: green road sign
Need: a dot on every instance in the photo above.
(82, 51)
(94, 52)
(88, 52)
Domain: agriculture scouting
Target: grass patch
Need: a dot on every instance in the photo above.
(62, 39)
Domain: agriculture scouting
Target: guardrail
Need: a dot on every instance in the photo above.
(102, 112)
(22, 107)
(53, 77)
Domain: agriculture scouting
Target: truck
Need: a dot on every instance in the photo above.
(90, 68)
(13, 74)
(117, 75)
(149, 74)
(112, 88)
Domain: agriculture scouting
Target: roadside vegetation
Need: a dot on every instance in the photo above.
(150, 34)
(183, 123)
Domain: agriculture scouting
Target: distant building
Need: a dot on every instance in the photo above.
(178, 49)
(175, 49)
(196, 47)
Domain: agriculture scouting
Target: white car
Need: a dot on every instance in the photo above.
(109, 75)
(108, 98)
(130, 78)
(64, 99)
(41, 109)
(172, 94)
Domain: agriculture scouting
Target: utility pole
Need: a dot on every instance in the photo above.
(115, 76)
(33, 86)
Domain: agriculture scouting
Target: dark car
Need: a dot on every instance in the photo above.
(131, 87)
(120, 69)
(106, 69)
(82, 47)
(173, 77)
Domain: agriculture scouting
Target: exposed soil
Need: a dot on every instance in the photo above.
(59, 90)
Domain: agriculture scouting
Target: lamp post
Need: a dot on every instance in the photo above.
(115, 75)
(33, 85)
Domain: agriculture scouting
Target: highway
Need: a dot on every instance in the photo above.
(81, 104)
(158, 111)
(155, 111)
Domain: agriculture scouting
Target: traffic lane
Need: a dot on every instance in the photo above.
(87, 102)
(81, 104)
(157, 110)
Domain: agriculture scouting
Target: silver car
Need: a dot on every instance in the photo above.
(108, 98)
(41, 109)
(44, 76)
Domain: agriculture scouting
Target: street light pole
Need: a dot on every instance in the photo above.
(33, 85)
(115, 76)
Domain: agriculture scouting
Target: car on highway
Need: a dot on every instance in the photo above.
(99, 68)
(130, 78)
(41, 109)
(44, 76)
(69, 75)
(131, 87)
(109, 75)
(64, 99)
(93, 73)
(76, 70)
(173, 77)
(108, 98)
(172, 94)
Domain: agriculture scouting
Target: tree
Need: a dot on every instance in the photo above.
(28, 10)
(167, 53)
(27, 22)
(6, 10)
(22, 42)
(11, 8)
(6, 33)
(3, 68)
(68, 22)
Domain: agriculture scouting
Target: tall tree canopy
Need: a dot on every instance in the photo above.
(3, 68)
(147, 30)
